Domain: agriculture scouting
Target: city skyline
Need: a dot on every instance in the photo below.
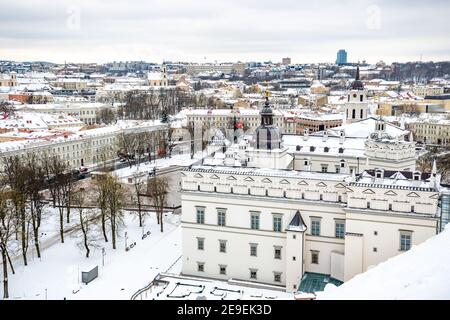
(96, 31)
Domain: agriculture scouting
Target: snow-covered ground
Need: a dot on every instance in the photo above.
(175, 160)
(57, 275)
(183, 159)
(421, 273)
(185, 288)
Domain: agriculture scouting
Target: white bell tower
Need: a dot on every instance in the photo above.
(357, 107)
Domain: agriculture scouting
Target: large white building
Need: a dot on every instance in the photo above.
(80, 148)
(276, 225)
(366, 144)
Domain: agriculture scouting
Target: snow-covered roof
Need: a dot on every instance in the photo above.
(265, 172)
(395, 180)
(364, 128)
(314, 145)
(154, 76)
(423, 272)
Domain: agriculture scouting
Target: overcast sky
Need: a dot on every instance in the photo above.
(224, 30)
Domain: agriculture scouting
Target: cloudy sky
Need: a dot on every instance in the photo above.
(224, 30)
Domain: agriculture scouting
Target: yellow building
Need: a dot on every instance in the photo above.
(70, 84)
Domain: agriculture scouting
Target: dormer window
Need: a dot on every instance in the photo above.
(341, 150)
(416, 176)
(312, 148)
(306, 163)
(326, 149)
(342, 163)
(379, 174)
(298, 148)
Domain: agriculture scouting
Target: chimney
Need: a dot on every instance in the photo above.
(305, 134)
(342, 137)
(325, 136)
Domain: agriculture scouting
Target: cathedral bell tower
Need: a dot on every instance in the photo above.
(267, 136)
(356, 107)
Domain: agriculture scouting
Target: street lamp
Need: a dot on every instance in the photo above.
(357, 159)
(103, 256)
(126, 237)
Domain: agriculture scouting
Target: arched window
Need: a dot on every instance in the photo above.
(361, 116)
(354, 114)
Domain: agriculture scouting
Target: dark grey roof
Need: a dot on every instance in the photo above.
(357, 84)
(407, 174)
(297, 221)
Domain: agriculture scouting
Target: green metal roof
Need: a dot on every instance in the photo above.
(313, 282)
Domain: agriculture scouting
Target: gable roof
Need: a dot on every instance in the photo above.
(297, 223)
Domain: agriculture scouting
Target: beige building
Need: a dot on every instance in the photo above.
(397, 107)
(85, 112)
(70, 84)
(423, 91)
(431, 130)
(317, 122)
(158, 79)
(8, 80)
(221, 118)
(84, 148)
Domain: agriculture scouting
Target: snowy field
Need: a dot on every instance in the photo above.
(421, 273)
(57, 275)
(185, 288)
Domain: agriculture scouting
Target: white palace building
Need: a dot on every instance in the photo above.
(265, 216)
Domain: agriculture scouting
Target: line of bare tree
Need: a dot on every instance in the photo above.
(24, 181)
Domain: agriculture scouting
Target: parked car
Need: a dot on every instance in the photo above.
(83, 169)
(81, 176)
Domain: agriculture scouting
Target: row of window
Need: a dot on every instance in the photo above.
(254, 220)
(277, 225)
(339, 227)
(253, 272)
(253, 248)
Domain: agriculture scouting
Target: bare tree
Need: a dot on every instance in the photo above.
(7, 229)
(85, 218)
(16, 177)
(158, 189)
(58, 187)
(34, 184)
(101, 188)
(139, 189)
(115, 198)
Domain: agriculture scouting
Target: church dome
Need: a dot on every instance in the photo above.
(266, 110)
(357, 85)
(267, 135)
